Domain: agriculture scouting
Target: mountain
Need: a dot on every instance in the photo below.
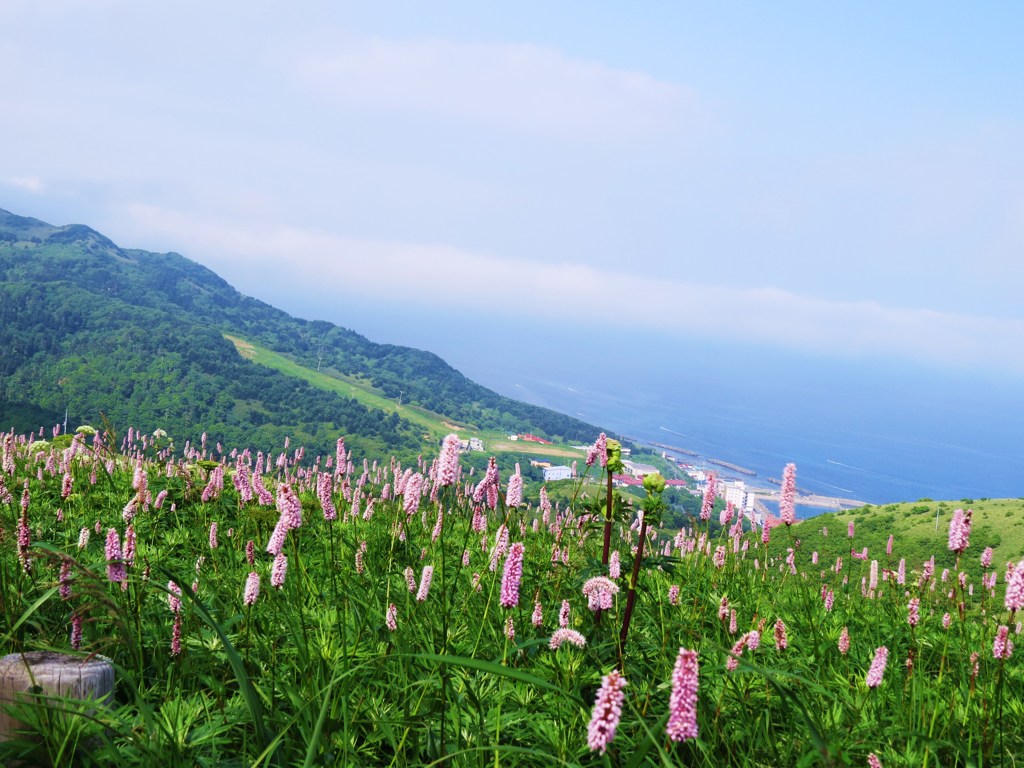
(142, 339)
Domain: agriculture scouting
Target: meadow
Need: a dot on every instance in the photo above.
(288, 610)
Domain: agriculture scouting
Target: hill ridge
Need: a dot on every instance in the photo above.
(74, 302)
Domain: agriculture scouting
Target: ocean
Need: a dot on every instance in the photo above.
(853, 431)
(866, 428)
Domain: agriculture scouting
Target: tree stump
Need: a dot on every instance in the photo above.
(24, 675)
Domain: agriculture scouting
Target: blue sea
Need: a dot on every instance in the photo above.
(871, 429)
(868, 432)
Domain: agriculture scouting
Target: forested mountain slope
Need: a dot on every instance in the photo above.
(90, 327)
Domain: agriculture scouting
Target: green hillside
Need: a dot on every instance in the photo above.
(920, 529)
(140, 339)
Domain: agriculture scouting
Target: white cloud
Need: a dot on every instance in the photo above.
(520, 86)
(303, 260)
(29, 183)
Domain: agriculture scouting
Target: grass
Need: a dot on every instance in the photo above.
(434, 425)
(923, 525)
(311, 672)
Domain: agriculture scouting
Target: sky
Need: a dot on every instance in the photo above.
(838, 184)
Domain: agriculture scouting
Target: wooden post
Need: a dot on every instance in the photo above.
(51, 674)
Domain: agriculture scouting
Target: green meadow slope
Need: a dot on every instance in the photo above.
(919, 529)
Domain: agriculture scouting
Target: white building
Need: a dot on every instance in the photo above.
(638, 470)
(557, 473)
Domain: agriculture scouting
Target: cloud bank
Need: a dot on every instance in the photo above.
(400, 273)
(521, 86)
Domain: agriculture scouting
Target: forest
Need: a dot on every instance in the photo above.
(137, 338)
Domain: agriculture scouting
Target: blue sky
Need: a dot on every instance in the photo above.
(840, 182)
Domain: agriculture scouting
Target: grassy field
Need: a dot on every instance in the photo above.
(294, 615)
(434, 425)
(504, 445)
(924, 524)
(350, 386)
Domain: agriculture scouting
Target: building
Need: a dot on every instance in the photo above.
(638, 470)
(533, 439)
(560, 472)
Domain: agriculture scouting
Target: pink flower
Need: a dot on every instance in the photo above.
(176, 636)
(276, 543)
(129, 546)
(25, 537)
(781, 640)
(877, 669)
(511, 576)
(278, 570)
(888, 546)
(719, 558)
(76, 631)
(289, 506)
(324, 492)
(1002, 646)
(599, 591)
(614, 565)
(959, 530)
(607, 711)
(1014, 599)
(391, 617)
(673, 595)
(844, 641)
(213, 536)
(173, 597)
(425, 578)
(682, 703)
(115, 563)
(438, 524)
(986, 557)
(708, 502)
(510, 629)
(913, 616)
(602, 449)
(873, 761)
(537, 619)
(252, 588)
(737, 650)
(65, 579)
(411, 494)
(448, 461)
(787, 495)
(849, 529)
(514, 494)
(487, 489)
(563, 614)
(564, 635)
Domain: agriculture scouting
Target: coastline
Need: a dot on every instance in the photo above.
(760, 495)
